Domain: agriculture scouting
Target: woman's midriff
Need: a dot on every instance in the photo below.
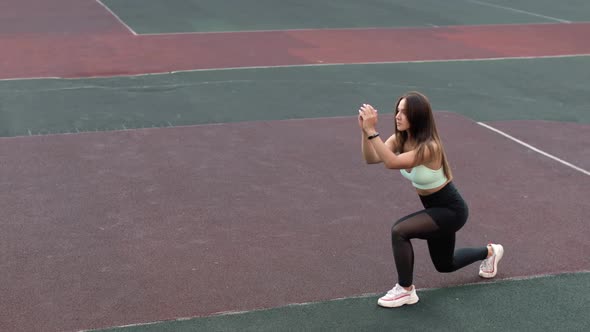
(426, 192)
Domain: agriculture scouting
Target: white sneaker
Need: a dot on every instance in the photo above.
(398, 296)
(489, 266)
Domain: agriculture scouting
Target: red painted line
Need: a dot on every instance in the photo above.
(111, 50)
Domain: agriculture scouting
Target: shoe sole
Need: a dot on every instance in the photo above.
(499, 256)
(393, 304)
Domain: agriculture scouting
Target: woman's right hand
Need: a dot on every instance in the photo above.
(360, 119)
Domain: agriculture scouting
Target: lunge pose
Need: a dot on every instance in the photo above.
(417, 151)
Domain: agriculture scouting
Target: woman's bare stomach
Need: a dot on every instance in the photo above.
(426, 192)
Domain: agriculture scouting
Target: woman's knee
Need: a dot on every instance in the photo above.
(397, 232)
(444, 267)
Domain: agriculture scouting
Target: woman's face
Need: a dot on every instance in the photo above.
(401, 120)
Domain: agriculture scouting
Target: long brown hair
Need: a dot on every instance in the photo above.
(422, 129)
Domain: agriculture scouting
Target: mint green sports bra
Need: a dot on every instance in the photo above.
(423, 177)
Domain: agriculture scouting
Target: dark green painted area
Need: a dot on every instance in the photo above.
(525, 89)
(553, 303)
(571, 10)
(165, 16)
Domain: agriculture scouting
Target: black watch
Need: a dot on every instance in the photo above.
(373, 136)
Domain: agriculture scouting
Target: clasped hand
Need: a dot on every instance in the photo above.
(367, 118)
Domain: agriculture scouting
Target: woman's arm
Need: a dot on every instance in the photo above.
(369, 154)
(390, 159)
(383, 152)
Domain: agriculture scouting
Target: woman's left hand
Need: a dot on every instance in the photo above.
(369, 116)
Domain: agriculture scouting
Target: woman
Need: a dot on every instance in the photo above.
(417, 151)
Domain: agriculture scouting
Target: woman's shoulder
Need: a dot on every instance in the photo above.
(432, 154)
(434, 145)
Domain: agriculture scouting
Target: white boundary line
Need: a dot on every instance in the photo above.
(170, 125)
(518, 11)
(363, 296)
(310, 65)
(117, 17)
(534, 148)
(428, 25)
(392, 28)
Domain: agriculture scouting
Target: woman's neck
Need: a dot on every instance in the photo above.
(409, 137)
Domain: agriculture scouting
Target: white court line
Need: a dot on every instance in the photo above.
(392, 28)
(196, 125)
(117, 17)
(535, 149)
(308, 65)
(518, 11)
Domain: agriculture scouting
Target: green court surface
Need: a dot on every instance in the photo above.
(66, 282)
(481, 90)
(162, 16)
(574, 10)
(551, 303)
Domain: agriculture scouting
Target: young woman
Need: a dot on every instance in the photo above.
(417, 151)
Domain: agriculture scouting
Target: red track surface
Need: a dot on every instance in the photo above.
(86, 40)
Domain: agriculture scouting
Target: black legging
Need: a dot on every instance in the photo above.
(444, 214)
